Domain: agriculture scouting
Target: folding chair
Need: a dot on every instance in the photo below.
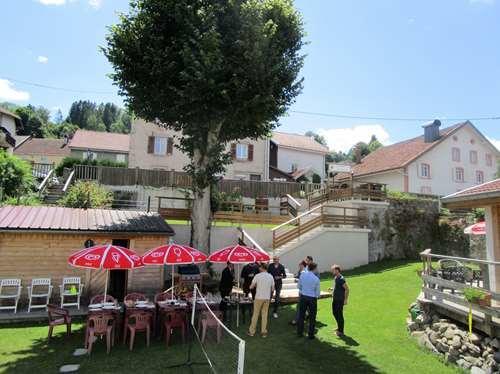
(40, 288)
(10, 289)
(72, 288)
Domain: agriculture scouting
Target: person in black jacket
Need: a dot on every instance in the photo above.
(278, 272)
(247, 273)
(226, 287)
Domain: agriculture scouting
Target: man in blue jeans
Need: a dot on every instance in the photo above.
(309, 289)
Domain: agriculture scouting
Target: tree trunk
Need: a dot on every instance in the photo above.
(201, 215)
(201, 220)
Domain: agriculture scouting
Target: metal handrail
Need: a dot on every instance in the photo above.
(251, 240)
(45, 181)
(290, 197)
(427, 253)
(296, 218)
(69, 180)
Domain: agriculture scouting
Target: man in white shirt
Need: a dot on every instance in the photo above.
(264, 285)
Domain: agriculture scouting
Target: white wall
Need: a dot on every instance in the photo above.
(440, 159)
(9, 123)
(393, 179)
(303, 158)
(345, 247)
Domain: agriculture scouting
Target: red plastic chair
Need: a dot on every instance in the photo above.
(58, 317)
(206, 321)
(100, 325)
(175, 320)
(135, 296)
(139, 322)
(98, 299)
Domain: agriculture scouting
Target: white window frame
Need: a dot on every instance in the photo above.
(456, 174)
(455, 154)
(89, 155)
(160, 146)
(479, 180)
(241, 151)
(473, 157)
(489, 159)
(120, 157)
(425, 170)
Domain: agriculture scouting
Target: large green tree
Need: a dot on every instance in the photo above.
(216, 71)
(34, 120)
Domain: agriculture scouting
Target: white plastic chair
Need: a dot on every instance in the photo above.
(10, 289)
(66, 291)
(40, 288)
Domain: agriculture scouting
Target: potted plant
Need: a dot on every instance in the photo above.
(477, 296)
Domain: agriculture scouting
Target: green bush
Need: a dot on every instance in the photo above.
(15, 175)
(70, 162)
(473, 295)
(87, 195)
(30, 199)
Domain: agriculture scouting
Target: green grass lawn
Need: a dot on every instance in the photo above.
(375, 322)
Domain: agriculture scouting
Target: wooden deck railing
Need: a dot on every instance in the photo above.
(39, 170)
(114, 176)
(320, 215)
(443, 289)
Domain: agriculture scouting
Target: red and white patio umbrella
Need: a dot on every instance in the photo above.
(106, 256)
(238, 254)
(476, 229)
(173, 254)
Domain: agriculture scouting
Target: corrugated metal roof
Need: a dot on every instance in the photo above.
(70, 219)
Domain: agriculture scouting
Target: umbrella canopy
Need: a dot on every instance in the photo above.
(173, 254)
(107, 256)
(238, 254)
(476, 229)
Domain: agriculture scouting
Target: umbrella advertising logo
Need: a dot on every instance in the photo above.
(92, 257)
(157, 254)
(116, 257)
(177, 252)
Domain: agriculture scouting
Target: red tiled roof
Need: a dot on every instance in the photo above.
(43, 218)
(399, 154)
(101, 141)
(300, 142)
(49, 147)
(485, 188)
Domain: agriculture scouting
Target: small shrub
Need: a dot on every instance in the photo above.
(473, 295)
(70, 162)
(87, 195)
(15, 175)
(30, 199)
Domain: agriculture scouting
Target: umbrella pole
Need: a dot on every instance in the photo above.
(172, 281)
(238, 306)
(106, 285)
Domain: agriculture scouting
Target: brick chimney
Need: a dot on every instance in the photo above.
(431, 131)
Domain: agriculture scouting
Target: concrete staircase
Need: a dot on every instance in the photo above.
(53, 193)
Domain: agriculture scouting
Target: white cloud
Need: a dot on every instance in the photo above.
(96, 4)
(495, 142)
(52, 2)
(9, 93)
(487, 2)
(344, 138)
(43, 59)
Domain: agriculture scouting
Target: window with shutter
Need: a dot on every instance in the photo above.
(170, 146)
(250, 152)
(151, 144)
(233, 151)
(242, 152)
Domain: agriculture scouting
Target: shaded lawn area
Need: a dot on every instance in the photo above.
(375, 322)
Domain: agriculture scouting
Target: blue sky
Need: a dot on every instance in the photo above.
(418, 59)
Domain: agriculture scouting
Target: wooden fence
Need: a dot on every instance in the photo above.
(114, 176)
(39, 170)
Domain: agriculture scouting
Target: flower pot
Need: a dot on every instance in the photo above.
(485, 301)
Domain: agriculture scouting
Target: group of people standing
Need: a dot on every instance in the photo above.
(263, 281)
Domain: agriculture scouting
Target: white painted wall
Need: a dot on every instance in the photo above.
(9, 123)
(345, 247)
(303, 158)
(440, 158)
(393, 179)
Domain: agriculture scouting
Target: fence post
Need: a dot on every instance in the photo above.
(149, 204)
(136, 176)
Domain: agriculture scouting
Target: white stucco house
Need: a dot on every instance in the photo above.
(282, 156)
(10, 124)
(440, 162)
(300, 156)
